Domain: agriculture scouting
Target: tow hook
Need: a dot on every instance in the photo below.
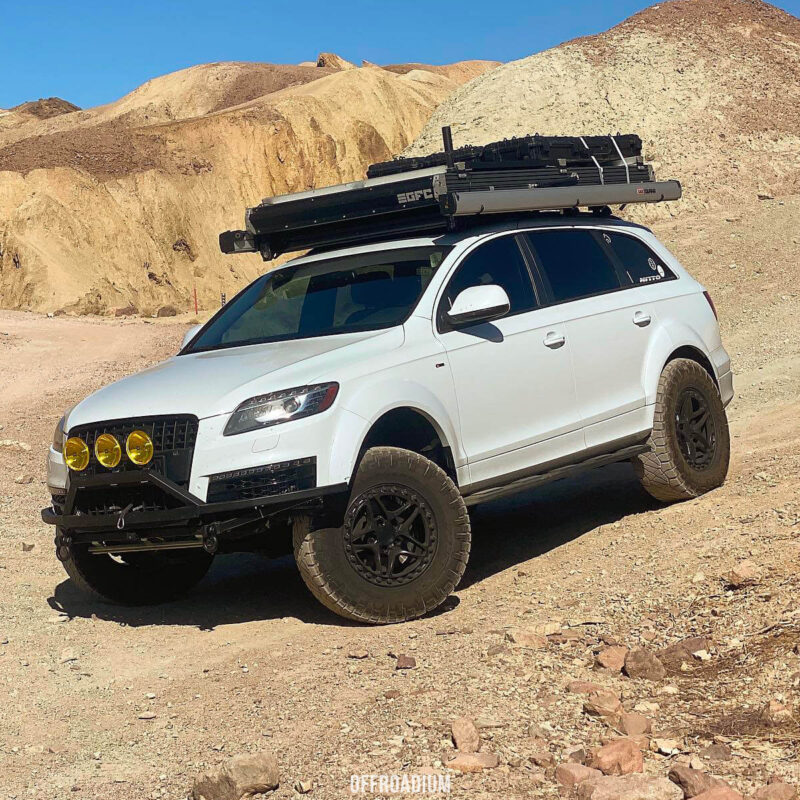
(63, 544)
(211, 538)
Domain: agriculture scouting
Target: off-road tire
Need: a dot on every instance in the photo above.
(329, 573)
(142, 579)
(665, 471)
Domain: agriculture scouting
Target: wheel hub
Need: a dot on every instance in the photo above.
(696, 430)
(390, 535)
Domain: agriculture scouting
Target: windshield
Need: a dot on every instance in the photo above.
(338, 295)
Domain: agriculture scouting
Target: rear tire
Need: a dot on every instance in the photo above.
(690, 442)
(138, 578)
(404, 545)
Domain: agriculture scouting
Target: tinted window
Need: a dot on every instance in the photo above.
(337, 295)
(500, 262)
(636, 259)
(573, 263)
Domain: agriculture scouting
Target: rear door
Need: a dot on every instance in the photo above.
(609, 325)
(513, 377)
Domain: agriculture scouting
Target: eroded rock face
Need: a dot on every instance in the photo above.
(242, 776)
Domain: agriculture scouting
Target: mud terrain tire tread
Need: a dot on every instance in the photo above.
(663, 471)
(336, 584)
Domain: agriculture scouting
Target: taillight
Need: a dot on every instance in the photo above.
(711, 303)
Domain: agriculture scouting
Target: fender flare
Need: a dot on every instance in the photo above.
(363, 413)
(665, 343)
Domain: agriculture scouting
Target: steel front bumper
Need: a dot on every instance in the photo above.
(186, 511)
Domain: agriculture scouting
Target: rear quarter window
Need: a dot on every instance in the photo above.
(636, 260)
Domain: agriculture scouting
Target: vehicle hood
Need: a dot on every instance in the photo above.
(215, 382)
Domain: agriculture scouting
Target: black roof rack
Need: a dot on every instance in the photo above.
(455, 188)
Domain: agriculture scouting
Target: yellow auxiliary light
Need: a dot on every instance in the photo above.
(108, 450)
(139, 448)
(76, 454)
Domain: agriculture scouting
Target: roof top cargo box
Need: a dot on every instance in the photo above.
(455, 188)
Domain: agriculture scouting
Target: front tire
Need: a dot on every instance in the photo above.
(403, 547)
(690, 443)
(136, 579)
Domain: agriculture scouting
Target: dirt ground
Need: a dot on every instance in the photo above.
(249, 661)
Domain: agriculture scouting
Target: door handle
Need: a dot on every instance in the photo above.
(554, 340)
(641, 319)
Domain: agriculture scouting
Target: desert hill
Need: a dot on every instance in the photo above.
(712, 86)
(120, 205)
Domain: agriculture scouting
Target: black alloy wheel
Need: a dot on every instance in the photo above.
(697, 435)
(390, 535)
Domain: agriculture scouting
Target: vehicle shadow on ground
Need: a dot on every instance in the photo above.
(245, 588)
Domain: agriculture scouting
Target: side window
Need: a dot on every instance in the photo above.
(573, 263)
(636, 259)
(499, 262)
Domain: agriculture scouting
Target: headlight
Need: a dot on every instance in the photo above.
(59, 435)
(272, 409)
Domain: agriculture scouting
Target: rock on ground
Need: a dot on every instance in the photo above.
(629, 787)
(242, 775)
(604, 704)
(777, 790)
(619, 757)
(612, 658)
(465, 735)
(631, 723)
(570, 775)
(742, 575)
(643, 664)
(719, 793)
(526, 638)
(692, 781)
(473, 762)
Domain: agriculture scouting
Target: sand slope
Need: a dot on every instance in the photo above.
(712, 86)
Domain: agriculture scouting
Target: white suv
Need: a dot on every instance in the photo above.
(365, 398)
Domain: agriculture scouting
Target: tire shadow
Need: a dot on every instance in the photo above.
(247, 587)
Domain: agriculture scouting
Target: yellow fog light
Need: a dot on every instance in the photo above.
(139, 448)
(108, 450)
(76, 454)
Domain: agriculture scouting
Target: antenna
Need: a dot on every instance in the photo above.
(447, 137)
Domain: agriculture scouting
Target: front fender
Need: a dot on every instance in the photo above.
(371, 402)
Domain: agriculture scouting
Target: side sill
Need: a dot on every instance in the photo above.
(556, 474)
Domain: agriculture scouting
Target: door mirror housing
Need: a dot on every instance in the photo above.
(189, 335)
(479, 304)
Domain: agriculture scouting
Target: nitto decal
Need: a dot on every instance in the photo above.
(415, 196)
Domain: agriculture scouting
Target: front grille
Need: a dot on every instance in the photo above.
(250, 484)
(141, 497)
(173, 444)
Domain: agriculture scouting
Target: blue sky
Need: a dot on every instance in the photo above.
(91, 52)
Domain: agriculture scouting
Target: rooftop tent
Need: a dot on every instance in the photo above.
(455, 188)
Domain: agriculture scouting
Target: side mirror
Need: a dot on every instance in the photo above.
(479, 304)
(189, 335)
